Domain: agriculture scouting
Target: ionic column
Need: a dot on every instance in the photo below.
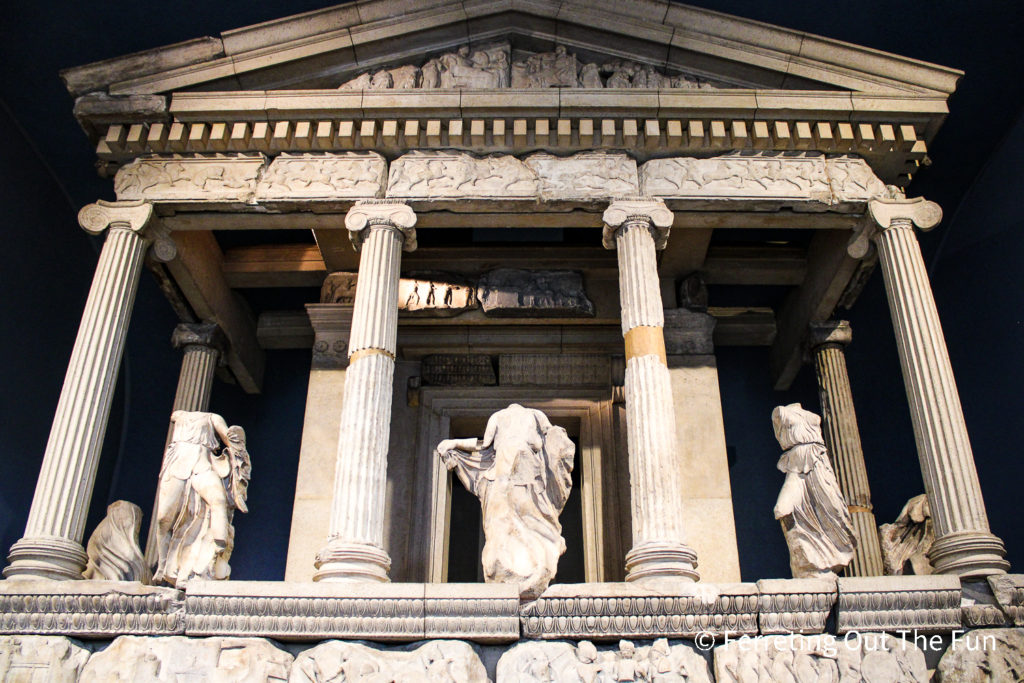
(636, 229)
(355, 545)
(52, 544)
(203, 345)
(827, 342)
(963, 543)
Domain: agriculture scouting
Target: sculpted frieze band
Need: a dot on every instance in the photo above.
(323, 176)
(219, 178)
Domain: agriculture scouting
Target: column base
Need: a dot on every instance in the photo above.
(658, 560)
(969, 554)
(46, 557)
(354, 562)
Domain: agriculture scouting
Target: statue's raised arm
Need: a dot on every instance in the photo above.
(521, 470)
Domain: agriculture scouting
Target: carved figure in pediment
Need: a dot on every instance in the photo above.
(480, 69)
(814, 516)
(405, 77)
(360, 82)
(521, 472)
(381, 81)
(113, 549)
(590, 76)
(204, 479)
(622, 73)
(906, 542)
(430, 74)
(686, 82)
(546, 70)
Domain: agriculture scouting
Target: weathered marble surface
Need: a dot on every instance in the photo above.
(810, 507)
(930, 604)
(979, 656)
(203, 480)
(171, 659)
(588, 175)
(795, 605)
(113, 549)
(868, 657)
(323, 176)
(489, 67)
(659, 661)
(437, 660)
(513, 293)
(905, 543)
(219, 178)
(457, 369)
(521, 471)
(27, 659)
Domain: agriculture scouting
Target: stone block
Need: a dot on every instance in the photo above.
(306, 177)
(177, 658)
(890, 603)
(688, 332)
(659, 661)
(457, 369)
(1009, 593)
(605, 611)
(513, 293)
(437, 660)
(586, 176)
(866, 658)
(482, 612)
(37, 658)
(993, 654)
(92, 609)
(189, 179)
(795, 605)
(306, 611)
(559, 370)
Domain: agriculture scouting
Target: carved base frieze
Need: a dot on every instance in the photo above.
(795, 605)
(41, 658)
(90, 609)
(890, 603)
(386, 612)
(603, 611)
(657, 661)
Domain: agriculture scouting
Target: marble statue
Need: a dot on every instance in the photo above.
(811, 508)
(906, 542)
(520, 471)
(204, 479)
(113, 549)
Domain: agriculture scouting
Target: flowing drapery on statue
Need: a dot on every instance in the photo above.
(906, 542)
(202, 483)
(113, 549)
(521, 472)
(815, 519)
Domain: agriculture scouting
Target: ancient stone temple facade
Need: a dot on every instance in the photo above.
(513, 462)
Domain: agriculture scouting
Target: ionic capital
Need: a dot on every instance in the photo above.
(135, 216)
(893, 211)
(199, 334)
(372, 212)
(652, 211)
(829, 332)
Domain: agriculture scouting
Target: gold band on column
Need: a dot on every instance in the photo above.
(645, 341)
(363, 353)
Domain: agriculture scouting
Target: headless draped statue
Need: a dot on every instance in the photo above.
(204, 479)
(113, 548)
(811, 508)
(521, 472)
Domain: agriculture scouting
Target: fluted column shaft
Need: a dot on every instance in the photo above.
(354, 550)
(842, 437)
(655, 468)
(52, 544)
(963, 543)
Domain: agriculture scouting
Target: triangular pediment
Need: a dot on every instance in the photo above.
(658, 45)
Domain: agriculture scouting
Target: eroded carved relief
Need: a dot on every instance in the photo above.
(26, 659)
(773, 175)
(521, 472)
(113, 548)
(660, 661)
(204, 479)
(489, 67)
(513, 293)
(431, 175)
(852, 179)
(423, 293)
(324, 176)
(220, 178)
(906, 542)
(175, 658)
(814, 516)
(339, 288)
(457, 370)
(589, 175)
(992, 654)
(437, 660)
(866, 658)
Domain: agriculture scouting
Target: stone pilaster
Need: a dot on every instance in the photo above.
(964, 545)
(827, 342)
(355, 545)
(636, 229)
(52, 544)
(203, 346)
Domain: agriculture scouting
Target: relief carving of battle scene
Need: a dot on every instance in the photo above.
(493, 67)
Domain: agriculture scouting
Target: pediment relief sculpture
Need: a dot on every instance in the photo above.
(814, 516)
(521, 472)
(204, 479)
(492, 67)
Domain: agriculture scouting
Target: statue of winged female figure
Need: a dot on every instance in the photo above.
(204, 479)
(521, 472)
